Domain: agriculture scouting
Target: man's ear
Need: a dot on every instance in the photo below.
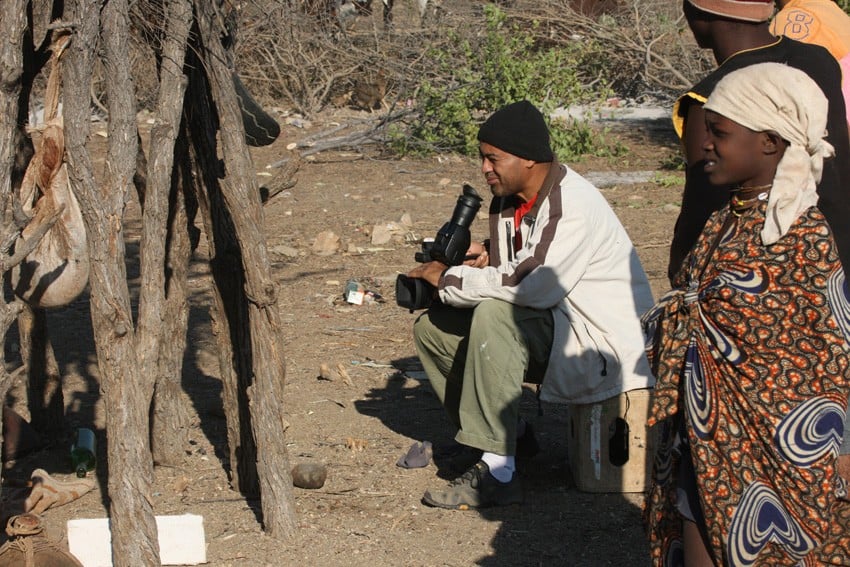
(772, 143)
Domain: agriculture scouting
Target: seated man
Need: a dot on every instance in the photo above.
(555, 295)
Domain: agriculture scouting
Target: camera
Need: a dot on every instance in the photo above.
(449, 247)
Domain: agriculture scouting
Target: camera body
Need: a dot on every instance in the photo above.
(449, 247)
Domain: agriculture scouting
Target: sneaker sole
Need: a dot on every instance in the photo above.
(426, 499)
(463, 507)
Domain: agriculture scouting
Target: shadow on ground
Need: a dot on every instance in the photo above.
(557, 524)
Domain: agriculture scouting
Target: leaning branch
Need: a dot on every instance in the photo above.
(366, 132)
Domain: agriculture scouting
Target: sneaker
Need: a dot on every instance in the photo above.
(476, 488)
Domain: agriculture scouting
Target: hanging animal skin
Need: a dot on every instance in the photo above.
(57, 270)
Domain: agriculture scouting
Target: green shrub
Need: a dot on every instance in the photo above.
(504, 66)
(573, 138)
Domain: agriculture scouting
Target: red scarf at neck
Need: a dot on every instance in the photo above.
(521, 210)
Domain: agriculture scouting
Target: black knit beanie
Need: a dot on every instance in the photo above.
(519, 129)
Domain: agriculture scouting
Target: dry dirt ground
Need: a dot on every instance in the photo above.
(369, 511)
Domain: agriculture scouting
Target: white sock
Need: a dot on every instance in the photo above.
(502, 467)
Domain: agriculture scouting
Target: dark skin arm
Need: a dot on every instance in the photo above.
(695, 131)
(432, 271)
(429, 271)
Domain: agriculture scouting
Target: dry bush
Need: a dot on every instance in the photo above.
(287, 57)
(292, 59)
(637, 47)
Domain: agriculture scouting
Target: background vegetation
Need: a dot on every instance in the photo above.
(440, 74)
(437, 75)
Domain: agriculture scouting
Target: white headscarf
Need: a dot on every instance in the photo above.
(778, 98)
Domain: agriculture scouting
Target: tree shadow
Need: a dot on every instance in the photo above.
(72, 337)
(204, 390)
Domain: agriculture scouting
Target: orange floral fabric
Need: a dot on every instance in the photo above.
(750, 351)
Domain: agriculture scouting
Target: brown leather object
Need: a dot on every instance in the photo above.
(29, 547)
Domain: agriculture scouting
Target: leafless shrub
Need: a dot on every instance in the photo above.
(288, 57)
(640, 45)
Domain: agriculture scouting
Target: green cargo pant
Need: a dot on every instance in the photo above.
(477, 360)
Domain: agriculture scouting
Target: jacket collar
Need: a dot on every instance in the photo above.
(553, 179)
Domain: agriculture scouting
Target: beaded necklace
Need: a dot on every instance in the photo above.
(744, 198)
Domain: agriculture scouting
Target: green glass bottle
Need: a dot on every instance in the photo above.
(83, 452)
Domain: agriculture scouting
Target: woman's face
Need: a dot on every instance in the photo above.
(735, 155)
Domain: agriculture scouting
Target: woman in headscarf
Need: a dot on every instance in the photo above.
(749, 348)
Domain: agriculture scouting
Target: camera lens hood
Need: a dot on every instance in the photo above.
(413, 293)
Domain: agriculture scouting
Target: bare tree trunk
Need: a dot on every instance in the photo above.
(230, 311)
(242, 197)
(128, 387)
(169, 417)
(13, 25)
(130, 487)
(162, 310)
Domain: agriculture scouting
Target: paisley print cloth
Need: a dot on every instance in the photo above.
(750, 351)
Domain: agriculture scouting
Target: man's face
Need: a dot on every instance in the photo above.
(699, 24)
(734, 154)
(506, 174)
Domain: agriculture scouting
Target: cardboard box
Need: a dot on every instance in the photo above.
(610, 447)
(181, 540)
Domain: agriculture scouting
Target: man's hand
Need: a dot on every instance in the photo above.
(432, 271)
(429, 271)
(479, 257)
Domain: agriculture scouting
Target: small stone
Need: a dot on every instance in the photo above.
(309, 475)
(326, 243)
(284, 250)
(383, 233)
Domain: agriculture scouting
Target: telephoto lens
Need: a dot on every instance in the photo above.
(449, 247)
(453, 239)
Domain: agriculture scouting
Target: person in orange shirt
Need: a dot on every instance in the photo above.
(821, 22)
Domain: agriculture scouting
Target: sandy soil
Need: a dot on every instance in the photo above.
(369, 511)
